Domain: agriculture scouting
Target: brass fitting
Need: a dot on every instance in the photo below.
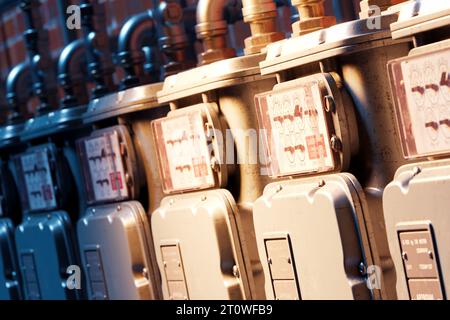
(382, 5)
(312, 17)
(212, 29)
(261, 16)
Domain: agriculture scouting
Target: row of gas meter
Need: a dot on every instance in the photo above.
(315, 166)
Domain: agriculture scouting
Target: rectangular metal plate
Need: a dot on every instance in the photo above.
(285, 290)
(418, 254)
(96, 275)
(177, 290)
(297, 129)
(281, 265)
(425, 289)
(172, 263)
(280, 259)
(173, 266)
(30, 277)
(421, 89)
(37, 180)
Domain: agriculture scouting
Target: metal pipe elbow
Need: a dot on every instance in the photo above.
(212, 29)
(18, 90)
(72, 74)
(132, 38)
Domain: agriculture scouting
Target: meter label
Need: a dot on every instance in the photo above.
(38, 180)
(106, 167)
(297, 135)
(422, 91)
(184, 154)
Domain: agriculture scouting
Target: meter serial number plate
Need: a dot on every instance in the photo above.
(421, 87)
(297, 139)
(184, 154)
(38, 180)
(106, 168)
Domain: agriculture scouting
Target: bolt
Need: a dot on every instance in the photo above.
(179, 264)
(204, 198)
(269, 261)
(165, 264)
(404, 256)
(362, 268)
(336, 144)
(322, 183)
(430, 254)
(416, 171)
(236, 271)
(215, 164)
(279, 188)
(330, 106)
(289, 261)
(145, 273)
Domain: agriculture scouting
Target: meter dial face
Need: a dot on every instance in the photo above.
(184, 152)
(421, 86)
(297, 129)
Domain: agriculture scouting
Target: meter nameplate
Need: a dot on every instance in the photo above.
(425, 289)
(281, 265)
(418, 254)
(420, 263)
(421, 89)
(285, 290)
(96, 275)
(173, 267)
(105, 168)
(30, 276)
(297, 129)
(37, 180)
(184, 152)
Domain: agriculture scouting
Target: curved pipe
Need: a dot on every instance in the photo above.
(212, 29)
(100, 66)
(18, 91)
(42, 72)
(72, 71)
(132, 38)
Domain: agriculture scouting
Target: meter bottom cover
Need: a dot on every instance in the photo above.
(45, 249)
(9, 284)
(416, 210)
(308, 239)
(198, 247)
(115, 246)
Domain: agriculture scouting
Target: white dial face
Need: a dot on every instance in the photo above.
(38, 180)
(298, 138)
(185, 156)
(424, 111)
(106, 168)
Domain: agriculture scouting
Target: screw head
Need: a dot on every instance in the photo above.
(404, 256)
(236, 271)
(336, 143)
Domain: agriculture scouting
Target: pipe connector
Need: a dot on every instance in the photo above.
(312, 17)
(212, 29)
(375, 7)
(18, 92)
(72, 69)
(261, 16)
(137, 32)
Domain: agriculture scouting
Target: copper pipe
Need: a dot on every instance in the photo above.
(212, 29)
